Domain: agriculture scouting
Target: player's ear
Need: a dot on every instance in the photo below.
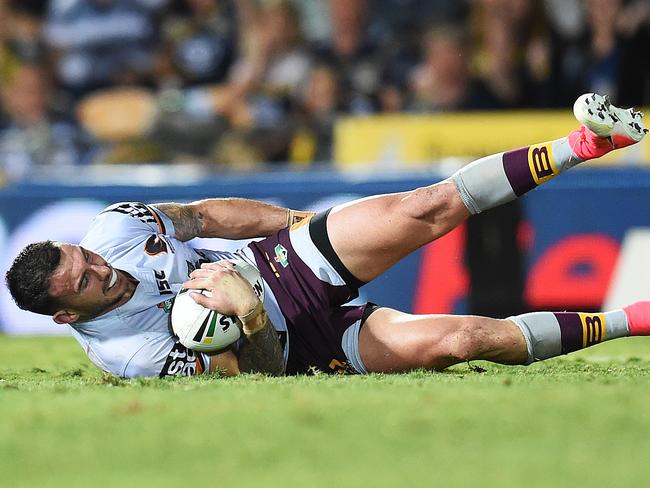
(65, 317)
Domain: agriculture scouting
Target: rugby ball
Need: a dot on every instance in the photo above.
(205, 330)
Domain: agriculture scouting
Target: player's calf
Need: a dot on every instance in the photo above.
(393, 341)
(477, 338)
(500, 178)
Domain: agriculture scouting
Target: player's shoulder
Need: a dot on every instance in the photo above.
(124, 224)
(135, 212)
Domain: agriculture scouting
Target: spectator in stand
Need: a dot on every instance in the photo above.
(198, 49)
(398, 27)
(20, 35)
(34, 137)
(618, 63)
(23, 29)
(266, 83)
(634, 80)
(602, 49)
(605, 48)
(316, 115)
(358, 61)
(199, 43)
(8, 59)
(100, 43)
(441, 82)
(277, 65)
(512, 52)
(236, 81)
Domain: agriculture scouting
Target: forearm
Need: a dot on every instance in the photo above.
(262, 352)
(229, 218)
(239, 218)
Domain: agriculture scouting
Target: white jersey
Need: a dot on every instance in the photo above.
(135, 339)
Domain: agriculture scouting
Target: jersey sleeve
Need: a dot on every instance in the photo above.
(122, 223)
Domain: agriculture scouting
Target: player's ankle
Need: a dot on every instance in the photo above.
(587, 145)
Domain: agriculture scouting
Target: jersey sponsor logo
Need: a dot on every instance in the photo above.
(540, 161)
(155, 245)
(139, 211)
(164, 287)
(281, 255)
(593, 328)
(167, 305)
(182, 362)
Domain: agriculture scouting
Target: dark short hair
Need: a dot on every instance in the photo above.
(28, 279)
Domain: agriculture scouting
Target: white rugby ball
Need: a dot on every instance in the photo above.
(205, 330)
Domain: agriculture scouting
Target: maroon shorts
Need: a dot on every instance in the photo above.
(311, 286)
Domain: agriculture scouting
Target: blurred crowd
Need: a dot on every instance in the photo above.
(231, 83)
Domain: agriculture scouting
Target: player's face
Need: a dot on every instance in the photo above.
(87, 286)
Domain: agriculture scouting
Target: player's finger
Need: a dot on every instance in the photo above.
(218, 265)
(205, 273)
(200, 299)
(198, 284)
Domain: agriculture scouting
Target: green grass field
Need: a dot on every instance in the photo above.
(579, 422)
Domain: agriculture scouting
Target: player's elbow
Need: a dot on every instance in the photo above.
(225, 363)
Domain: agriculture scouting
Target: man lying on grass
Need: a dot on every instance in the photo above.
(113, 289)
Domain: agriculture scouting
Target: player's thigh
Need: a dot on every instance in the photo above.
(392, 341)
(371, 234)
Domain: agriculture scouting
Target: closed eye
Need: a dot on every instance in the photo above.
(83, 283)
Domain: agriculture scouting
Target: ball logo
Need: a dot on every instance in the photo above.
(226, 322)
(541, 163)
(210, 323)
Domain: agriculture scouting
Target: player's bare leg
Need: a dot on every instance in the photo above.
(392, 341)
(372, 234)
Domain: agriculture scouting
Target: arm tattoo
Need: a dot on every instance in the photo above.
(262, 353)
(187, 221)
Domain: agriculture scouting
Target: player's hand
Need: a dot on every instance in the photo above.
(231, 293)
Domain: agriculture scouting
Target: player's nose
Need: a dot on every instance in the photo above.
(103, 271)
